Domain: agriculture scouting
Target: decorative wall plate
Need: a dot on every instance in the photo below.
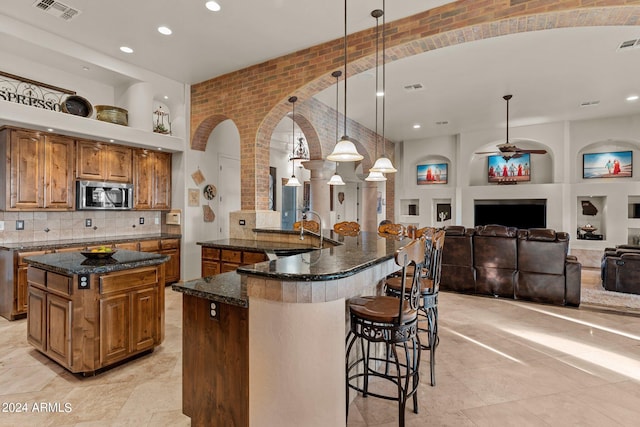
(209, 191)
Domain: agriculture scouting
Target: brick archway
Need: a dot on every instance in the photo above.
(257, 105)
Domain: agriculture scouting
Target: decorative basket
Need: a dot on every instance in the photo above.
(111, 114)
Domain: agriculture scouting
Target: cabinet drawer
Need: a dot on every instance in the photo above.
(125, 280)
(58, 283)
(150, 245)
(210, 253)
(253, 257)
(129, 246)
(169, 244)
(233, 256)
(226, 267)
(36, 276)
(71, 249)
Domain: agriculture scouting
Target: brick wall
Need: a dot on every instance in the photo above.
(255, 98)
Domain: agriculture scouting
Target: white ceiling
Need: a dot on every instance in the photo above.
(549, 72)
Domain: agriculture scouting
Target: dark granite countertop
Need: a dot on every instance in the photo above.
(225, 288)
(353, 255)
(69, 263)
(254, 245)
(67, 243)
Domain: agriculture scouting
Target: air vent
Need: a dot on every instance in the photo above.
(629, 43)
(442, 122)
(413, 87)
(57, 9)
(589, 103)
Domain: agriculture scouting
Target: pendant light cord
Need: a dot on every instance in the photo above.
(384, 76)
(293, 100)
(345, 68)
(377, 66)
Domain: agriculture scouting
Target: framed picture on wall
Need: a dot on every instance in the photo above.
(443, 212)
(515, 169)
(612, 164)
(432, 173)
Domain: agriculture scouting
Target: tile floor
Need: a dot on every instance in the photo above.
(499, 363)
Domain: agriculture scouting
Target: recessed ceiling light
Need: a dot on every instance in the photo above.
(50, 130)
(111, 140)
(85, 68)
(212, 6)
(632, 98)
(166, 97)
(379, 93)
(126, 49)
(164, 30)
(159, 148)
(416, 126)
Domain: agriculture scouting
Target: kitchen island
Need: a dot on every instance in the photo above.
(264, 345)
(88, 314)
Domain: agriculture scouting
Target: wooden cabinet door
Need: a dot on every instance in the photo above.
(114, 328)
(171, 267)
(58, 329)
(58, 172)
(36, 318)
(27, 157)
(162, 183)
(210, 268)
(143, 319)
(22, 292)
(90, 161)
(118, 164)
(142, 179)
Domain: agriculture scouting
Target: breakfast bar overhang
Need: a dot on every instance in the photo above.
(264, 346)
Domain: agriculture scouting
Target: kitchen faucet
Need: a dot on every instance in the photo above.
(304, 217)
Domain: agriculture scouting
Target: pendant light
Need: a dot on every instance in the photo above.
(293, 181)
(383, 164)
(345, 150)
(336, 179)
(375, 175)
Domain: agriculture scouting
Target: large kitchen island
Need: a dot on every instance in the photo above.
(264, 345)
(88, 314)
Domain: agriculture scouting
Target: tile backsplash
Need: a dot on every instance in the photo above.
(45, 226)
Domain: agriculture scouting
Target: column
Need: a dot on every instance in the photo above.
(369, 206)
(319, 196)
(138, 100)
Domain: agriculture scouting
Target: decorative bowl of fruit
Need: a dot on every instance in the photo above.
(100, 252)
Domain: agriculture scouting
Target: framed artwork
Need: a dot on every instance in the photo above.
(194, 197)
(612, 164)
(514, 170)
(443, 212)
(272, 189)
(432, 173)
(197, 177)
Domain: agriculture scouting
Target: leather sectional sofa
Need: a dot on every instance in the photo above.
(621, 269)
(501, 261)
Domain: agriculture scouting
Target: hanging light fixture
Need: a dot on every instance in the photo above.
(375, 175)
(383, 164)
(335, 178)
(293, 181)
(345, 150)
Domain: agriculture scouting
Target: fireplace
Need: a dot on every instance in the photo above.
(520, 213)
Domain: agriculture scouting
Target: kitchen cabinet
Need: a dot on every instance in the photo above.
(217, 261)
(39, 171)
(152, 180)
(104, 162)
(117, 315)
(13, 284)
(170, 247)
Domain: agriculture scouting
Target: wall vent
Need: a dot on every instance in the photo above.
(413, 87)
(589, 103)
(629, 43)
(57, 9)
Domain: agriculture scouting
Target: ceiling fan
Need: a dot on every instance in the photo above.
(507, 149)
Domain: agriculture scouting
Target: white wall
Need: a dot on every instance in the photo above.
(556, 176)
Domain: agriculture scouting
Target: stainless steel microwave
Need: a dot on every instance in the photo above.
(103, 195)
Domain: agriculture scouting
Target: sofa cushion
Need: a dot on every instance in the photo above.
(496, 231)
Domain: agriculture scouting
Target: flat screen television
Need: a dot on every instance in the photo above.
(514, 170)
(526, 213)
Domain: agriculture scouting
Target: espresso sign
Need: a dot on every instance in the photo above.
(30, 92)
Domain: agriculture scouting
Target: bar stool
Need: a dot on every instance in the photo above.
(308, 225)
(347, 228)
(393, 322)
(429, 288)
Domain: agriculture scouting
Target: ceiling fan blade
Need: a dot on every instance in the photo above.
(487, 152)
